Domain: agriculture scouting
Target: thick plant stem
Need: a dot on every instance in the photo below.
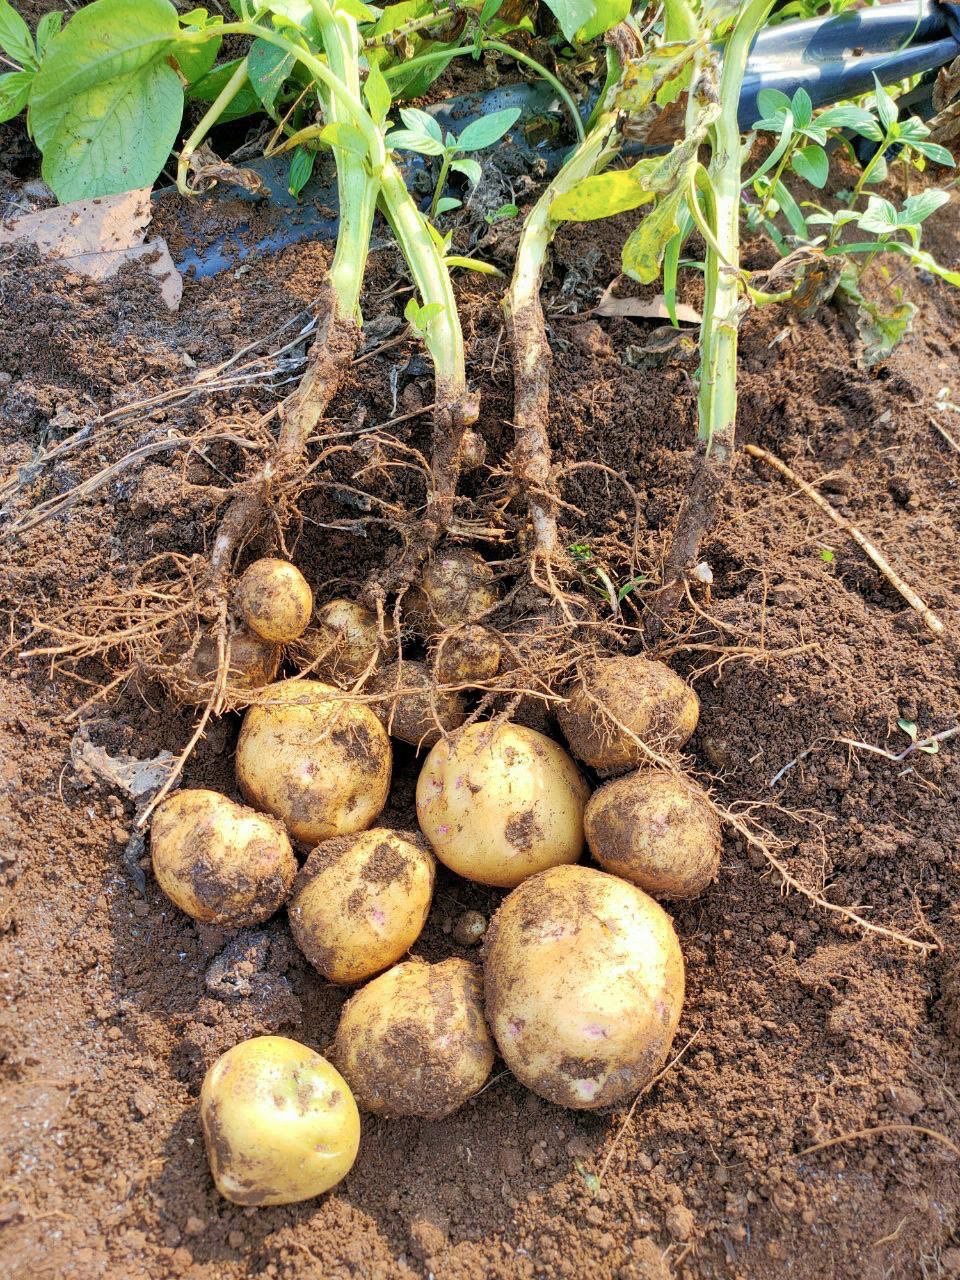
(528, 338)
(717, 404)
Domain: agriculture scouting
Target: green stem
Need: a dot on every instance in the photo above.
(862, 181)
(207, 121)
(409, 28)
(441, 183)
(777, 175)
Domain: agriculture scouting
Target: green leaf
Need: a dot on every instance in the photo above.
(918, 208)
(489, 11)
(933, 151)
(882, 331)
(812, 164)
(469, 168)
(47, 28)
(15, 37)
(473, 264)
(377, 93)
(355, 9)
(802, 108)
(601, 196)
(488, 129)
(410, 140)
(447, 203)
(105, 106)
(880, 216)
(791, 210)
(301, 167)
(195, 60)
(927, 262)
(208, 87)
(773, 107)
(347, 136)
(583, 20)
(849, 116)
(419, 317)
(268, 68)
(886, 106)
(499, 215)
(14, 92)
(418, 121)
(647, 243)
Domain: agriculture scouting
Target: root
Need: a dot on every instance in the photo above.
(855, 1134)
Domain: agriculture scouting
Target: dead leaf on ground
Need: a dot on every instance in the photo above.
(140, 779)
(207, 169)
(643, 308)
(97, 237)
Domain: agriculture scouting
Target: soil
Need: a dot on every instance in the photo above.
(798, 1026)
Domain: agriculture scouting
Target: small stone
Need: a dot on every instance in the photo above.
(144, 1102)
(194, 1225)
(113, 1033)
(235, 1239)
(171, 1236)
(469, 928)
(679, 1223)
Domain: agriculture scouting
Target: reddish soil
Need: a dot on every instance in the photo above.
(799, 1027)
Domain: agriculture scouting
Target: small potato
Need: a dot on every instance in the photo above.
(275, 599)
(501, 802)
(469, 655)
(218, 861)
(414, 1041)
(343, 642)
(418, 718)
(640, 695)
(584, 983)
(657, 830)
(279, 1122)
(252, 663)
(314, 759)
(361, 901)
(457, 587)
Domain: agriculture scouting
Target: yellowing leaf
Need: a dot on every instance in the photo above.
(601, 196)
(644, 250)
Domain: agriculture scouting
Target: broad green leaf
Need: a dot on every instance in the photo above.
(601, 196)
(448, 203)
(499, 215)
(411, 140)
(802, 108)
(268, 68)
(301, 167)
(880, 216)
(772, 103)
(195, 60)
(208, 87)
(355, 9)
(14, 92)
(583, 20)
(927, 262)
(791, 210)
(15, 37)
(47, 28)
(487, 130)
(849, 116)
(812, 164)
(347, 136)
(919, 207)
(886, 106)
(489, 11)
(377, 93)
(647, 243)
(469, 168)
(105, 106)
(419, 317)
(418, 121)
(933, 151)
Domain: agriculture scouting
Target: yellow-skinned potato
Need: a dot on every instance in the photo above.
(218, 861)
(361, 901)
(469, 655)
(419, 718)
(584, 983)
(279, 1122)
(618, 694)
(657, 830)
(414, 1042)
(343, 641)
(275, 599)
(501, 802)
(314, 759)
(457, 586)
(252, 663)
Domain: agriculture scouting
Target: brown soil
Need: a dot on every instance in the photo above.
(801, 1028)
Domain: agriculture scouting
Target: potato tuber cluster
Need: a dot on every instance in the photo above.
(581, 981)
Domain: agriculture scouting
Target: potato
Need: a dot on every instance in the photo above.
(469, 655)
(275, 599)
(279, 1122)
(644, 696)
(456, 587)
(314, 759)
(418, 718)
(343, 641)
(501, 802)
(252, 663)
(657, 830)
(361, 901)
(584, 981)
(414, 1042)
(219, 861)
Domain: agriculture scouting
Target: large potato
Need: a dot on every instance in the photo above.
(275, 599)
(584, 985)
(414, 1042)
(361, 901)
(620, 697)
(279, 1122)
(342, 643)
(500, 802)
(218, 861)
(457, 586)
(414, 709)
(656, 829)
(314, 759)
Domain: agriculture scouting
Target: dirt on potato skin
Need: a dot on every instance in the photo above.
(804, 1028)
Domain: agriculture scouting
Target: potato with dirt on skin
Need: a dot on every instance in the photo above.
(618, 700)
(584, 982)
(315, 759)
(414, 709)
(656, 829)
(361, 901)
(252, 662)
(414, 1042)
(456, 587)
(341, 643)
(274, 599)
(499, 802)
(468, 656)
(279, 1122)
(219, 861)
